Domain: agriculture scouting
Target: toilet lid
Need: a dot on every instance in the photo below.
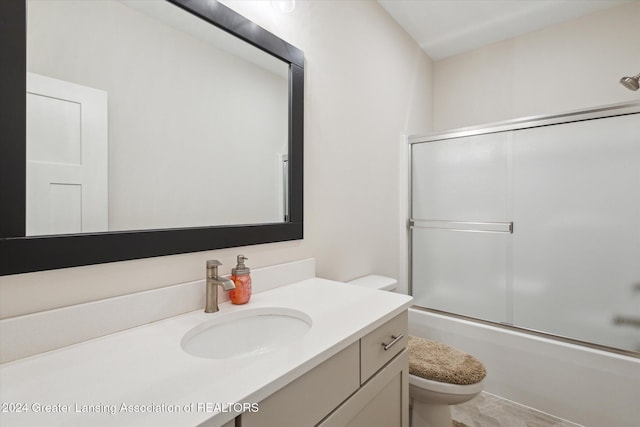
(439, 362)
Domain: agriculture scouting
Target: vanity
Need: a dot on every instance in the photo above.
(335, 373)
(363, 385)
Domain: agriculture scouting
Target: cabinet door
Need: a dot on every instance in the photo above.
(308, 399)
(381, 402)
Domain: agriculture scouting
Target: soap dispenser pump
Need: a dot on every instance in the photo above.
(240, 275)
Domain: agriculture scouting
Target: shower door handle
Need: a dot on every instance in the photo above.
(627, 321)
(484, 227)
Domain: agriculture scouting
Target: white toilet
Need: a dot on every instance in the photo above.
(435, 389)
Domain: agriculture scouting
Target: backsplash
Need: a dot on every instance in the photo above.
(31, 334)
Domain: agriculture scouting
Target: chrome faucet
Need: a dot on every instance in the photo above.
(213, 281)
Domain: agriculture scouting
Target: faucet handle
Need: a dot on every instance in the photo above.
(212, 268)
(213, 263)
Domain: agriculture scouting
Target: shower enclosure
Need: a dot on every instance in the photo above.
(534, 224)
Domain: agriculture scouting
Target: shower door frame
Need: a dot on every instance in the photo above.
(600, 112)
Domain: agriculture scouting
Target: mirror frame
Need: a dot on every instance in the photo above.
(21, 254)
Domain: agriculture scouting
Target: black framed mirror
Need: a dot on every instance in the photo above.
(22, 251)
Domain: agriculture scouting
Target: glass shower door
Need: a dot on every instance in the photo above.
(534, 224)
(576, 249)
(460, 229)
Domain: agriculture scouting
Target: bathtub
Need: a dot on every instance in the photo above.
(579, 384)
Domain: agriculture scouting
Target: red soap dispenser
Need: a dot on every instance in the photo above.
(242, 279)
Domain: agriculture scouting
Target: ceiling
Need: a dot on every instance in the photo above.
(447, 27)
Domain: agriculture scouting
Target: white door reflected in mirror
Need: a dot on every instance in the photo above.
(67, 156)
(197, 117)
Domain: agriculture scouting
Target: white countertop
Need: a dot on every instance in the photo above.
(144, 377)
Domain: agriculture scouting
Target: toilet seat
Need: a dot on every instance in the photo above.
(443, 364)
(440, 376)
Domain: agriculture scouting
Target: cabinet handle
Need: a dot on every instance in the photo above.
(396, 338)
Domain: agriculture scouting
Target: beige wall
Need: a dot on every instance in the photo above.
(367, 83)
(564, 67)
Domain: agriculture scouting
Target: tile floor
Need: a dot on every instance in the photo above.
(487, 410)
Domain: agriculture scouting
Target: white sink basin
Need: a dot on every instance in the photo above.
(246, 333)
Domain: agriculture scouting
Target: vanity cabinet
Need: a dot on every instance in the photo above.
(365, 384)
(381, 402)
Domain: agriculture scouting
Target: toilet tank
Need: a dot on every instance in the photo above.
(376, 282)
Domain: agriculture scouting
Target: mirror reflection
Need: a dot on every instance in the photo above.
(142, 116)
